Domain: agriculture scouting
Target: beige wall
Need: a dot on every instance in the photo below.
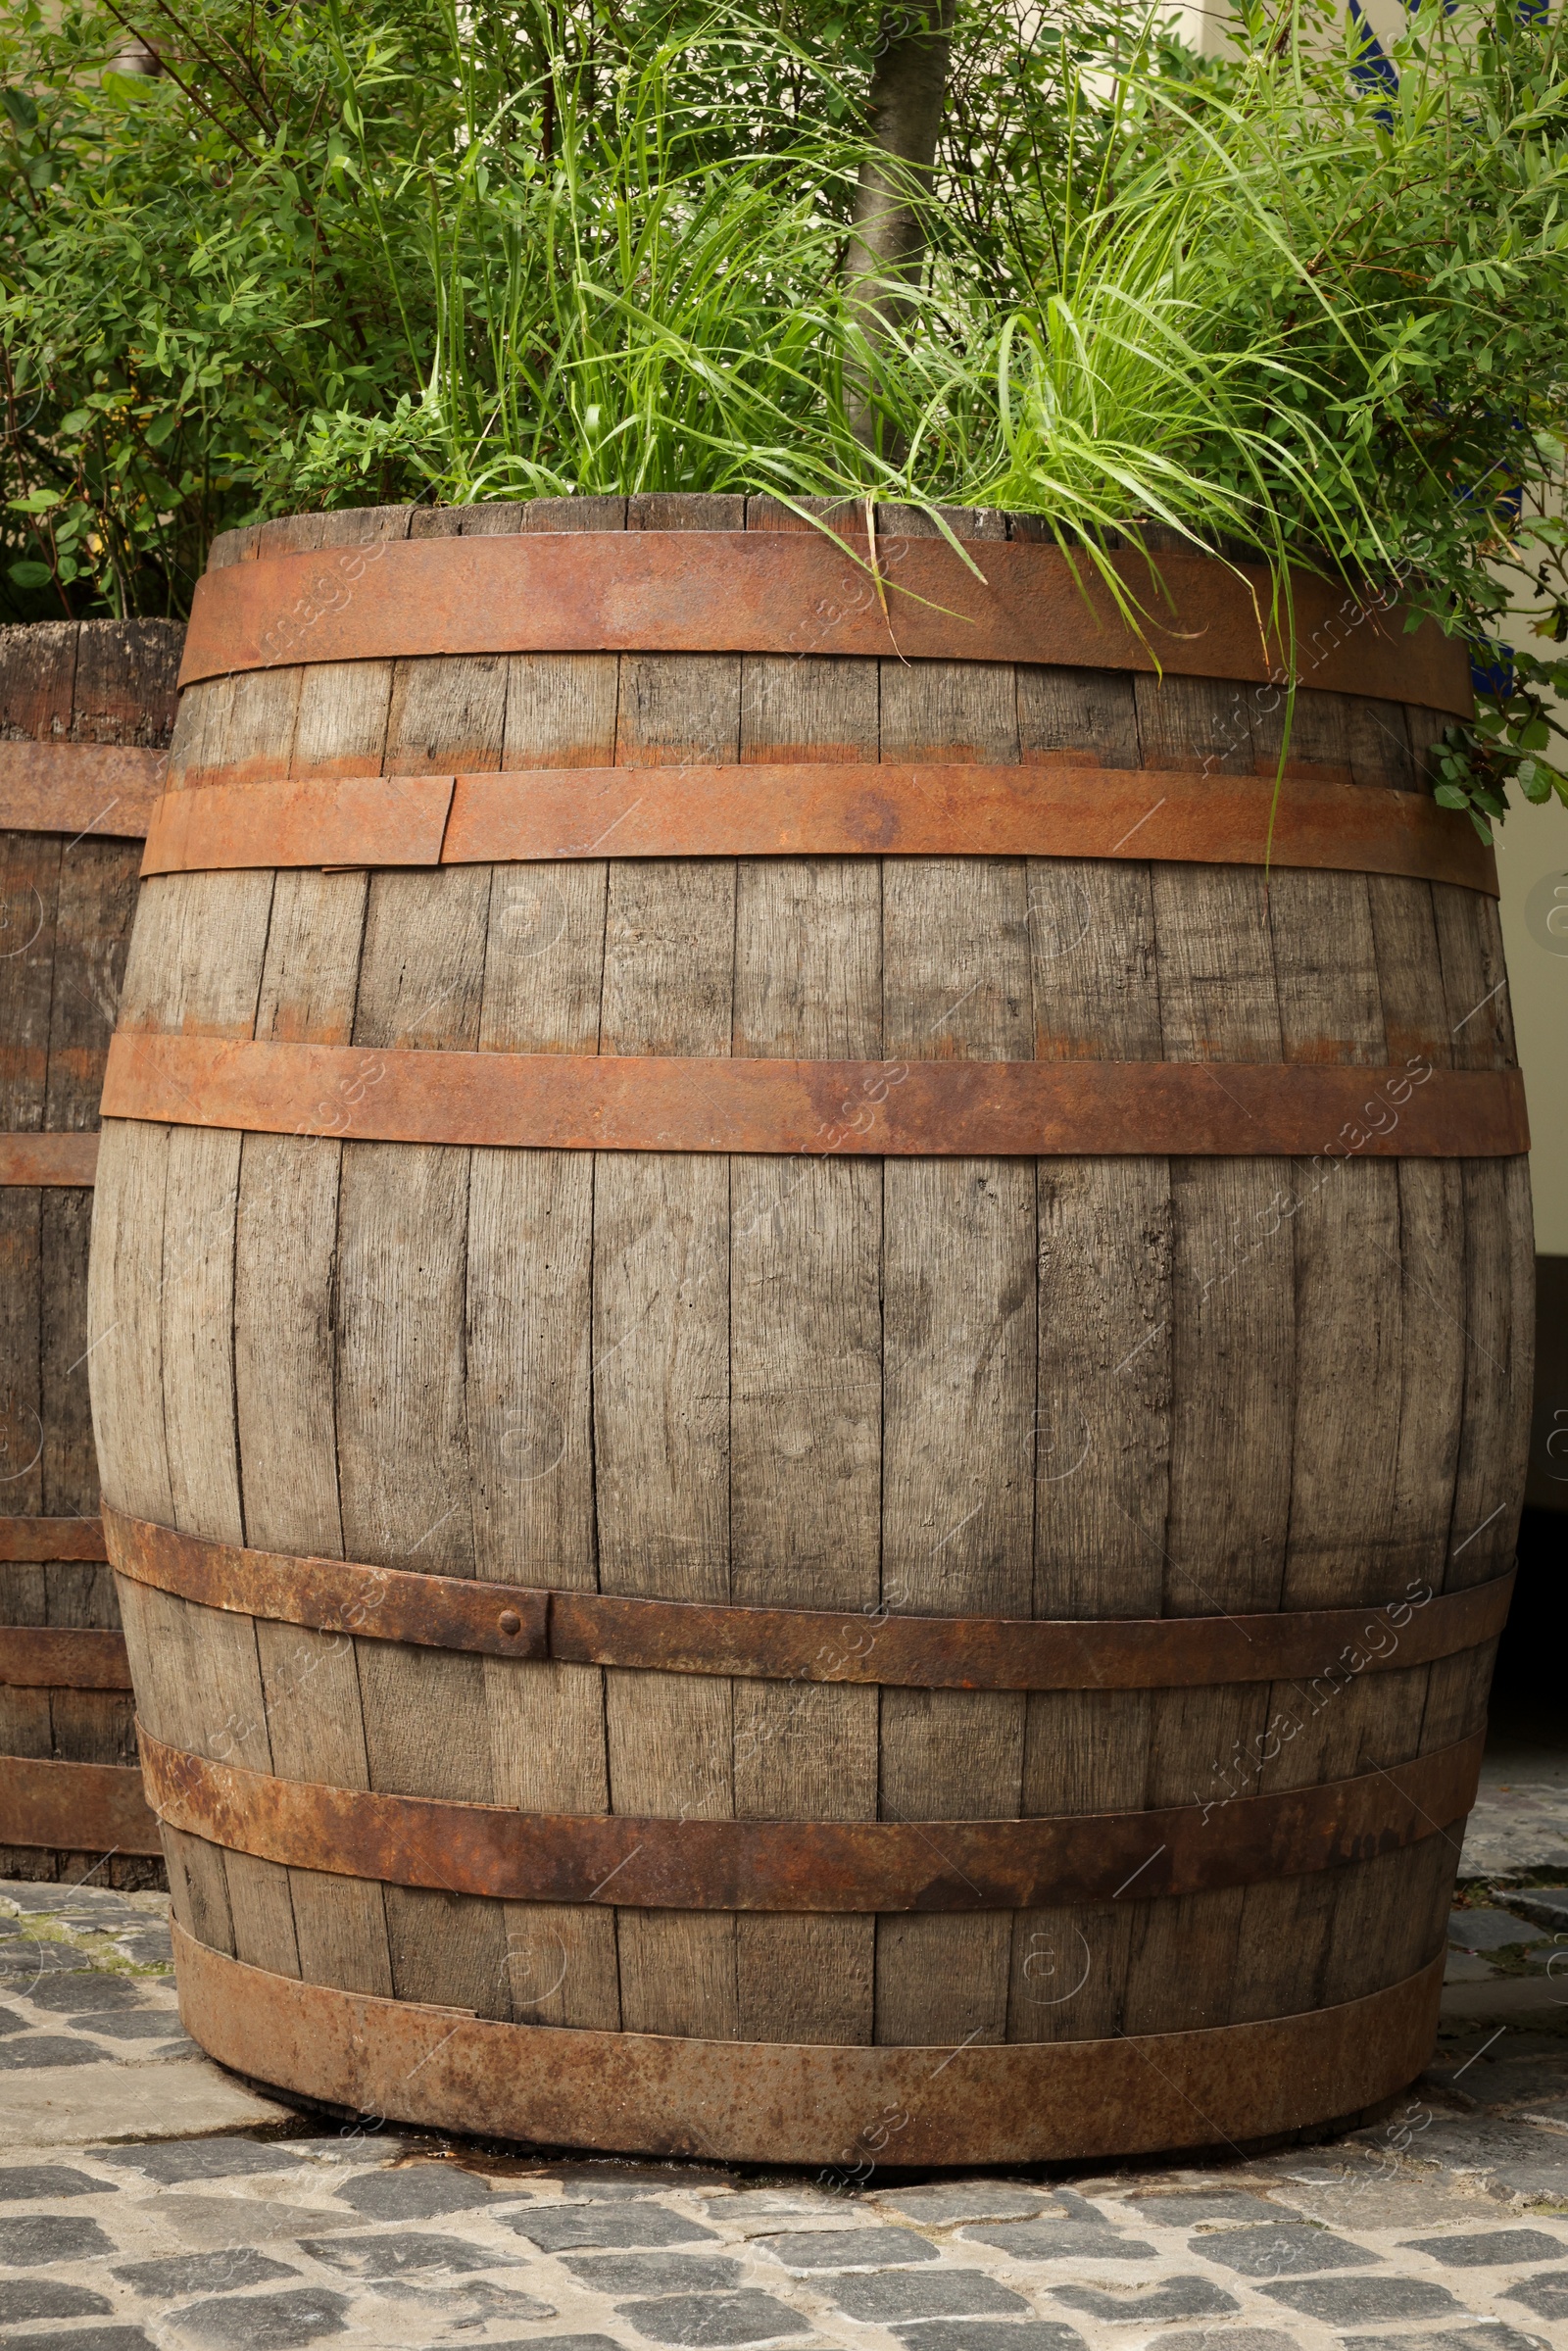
(1531, 862)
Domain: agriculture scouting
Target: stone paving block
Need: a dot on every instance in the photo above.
(46, 2299)
(173, 2161)
(847, 2250)
(570, 2343)
(757, 2209)
(1546, 2294)
(627, 2273)
(578, 2228)
(11, 2022)
(136, 2024)
(1283, 2249)
(1060, 2241)
(263, 2322)
(966, 2200)
(203, 2221)
(78, 2104)
(91, 1992)
(749, 2316)
(885, 2297)
(84, 2339)
(1345, 2301)
(46, 2236)
(1185, 2208)
(1489, 2335)
(30, 2182)
(1534, 2174)
(31, 2051)
(621, 2182)
(25, 1955)
(1151, 2305)
(1499, 2080)
(1224, 2338)
(1469, 1967)
(993, 2335)
(1387, 2199)
(1547, 1905)
(1487, 1929)
(417, 2193)
(178, 2273)
(1488, 2247)
(475, 2303)
(411, 2249)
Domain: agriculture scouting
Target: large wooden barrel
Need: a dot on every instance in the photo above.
(87, 709)
(813, 1415)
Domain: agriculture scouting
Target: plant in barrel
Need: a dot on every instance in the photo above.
(815, 1129)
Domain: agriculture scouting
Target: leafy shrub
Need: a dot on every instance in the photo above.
(578, 245)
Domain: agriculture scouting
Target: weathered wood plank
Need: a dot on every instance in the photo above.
(959, 1379)
(401, 1434)
(1232, 1375)
(662, 1320)
(529, 1338)
(806, 1349)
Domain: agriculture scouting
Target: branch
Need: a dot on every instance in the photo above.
(904, 121)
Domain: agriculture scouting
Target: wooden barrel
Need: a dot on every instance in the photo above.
(87, 709)
(813, 1415)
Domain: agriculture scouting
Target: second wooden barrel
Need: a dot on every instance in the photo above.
(87, 709)
(813, 1414)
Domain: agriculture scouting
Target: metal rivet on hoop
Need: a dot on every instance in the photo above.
(510, 1620)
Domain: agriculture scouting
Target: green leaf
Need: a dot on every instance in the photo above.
(1451, 796)
(22, 108)
(30, 574)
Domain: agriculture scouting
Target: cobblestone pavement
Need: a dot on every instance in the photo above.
(188, 2213)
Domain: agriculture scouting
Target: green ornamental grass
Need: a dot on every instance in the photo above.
(423, 251)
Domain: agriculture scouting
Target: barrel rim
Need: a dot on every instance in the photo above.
(781, 2102)
(775, 592)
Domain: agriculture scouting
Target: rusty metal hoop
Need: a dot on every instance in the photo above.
(76, 1807)
(774, 2103)
(214, 824)
(781, 592)
(811, 1866)
(873, 1645)
(106, 789)
(990, 1110)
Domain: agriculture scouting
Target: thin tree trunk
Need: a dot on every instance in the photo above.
(887, 243)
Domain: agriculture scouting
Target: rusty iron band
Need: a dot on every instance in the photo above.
(795, 593)
(809, 809)
(63, 1657)
(106, 789)
(810, 1866)
(35, 1539)
(75, 1807)
(643, 2093)
(50, 1161)
(870, 1645)
(898, 1109)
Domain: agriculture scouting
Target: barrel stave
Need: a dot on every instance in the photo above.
(805, 1351)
